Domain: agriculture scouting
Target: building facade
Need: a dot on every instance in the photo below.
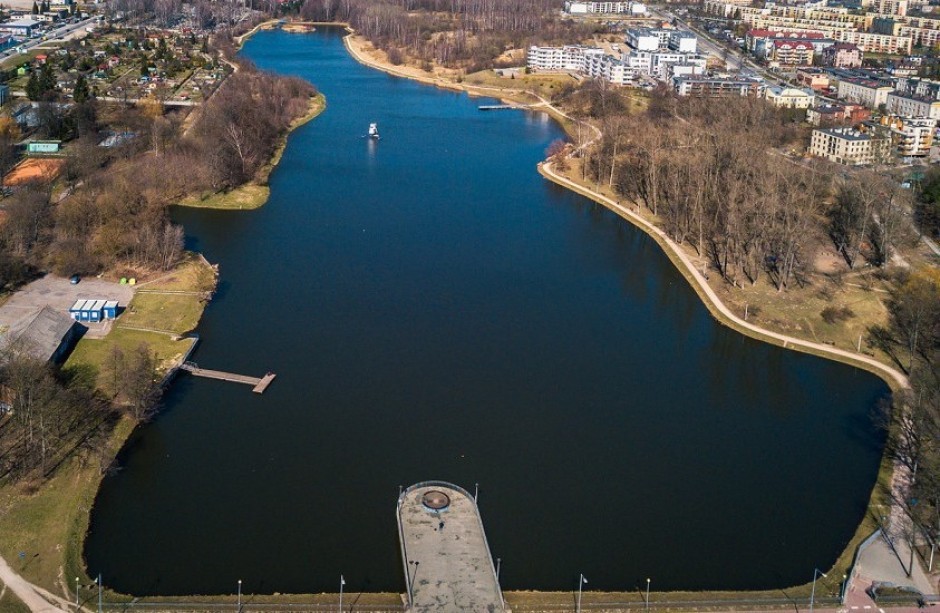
(848, 146)
(843, 55)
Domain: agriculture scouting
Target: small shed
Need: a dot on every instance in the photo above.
(110, 309)
(96, 310)
(75, 311)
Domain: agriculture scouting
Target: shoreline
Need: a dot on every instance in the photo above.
(893, 378)
(716, 307)
(256, 193)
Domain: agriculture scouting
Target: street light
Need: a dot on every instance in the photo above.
(845, 581)
(411, 584)
(239, 595)
(812, 597)
(581, 582)
(647, 593)
(342, 582)
(76, 594)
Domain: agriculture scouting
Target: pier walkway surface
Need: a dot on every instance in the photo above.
(447, 560)
(259, 383)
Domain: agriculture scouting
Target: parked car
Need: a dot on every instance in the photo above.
(74, 279)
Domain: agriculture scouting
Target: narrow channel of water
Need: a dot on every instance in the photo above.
(434, 309)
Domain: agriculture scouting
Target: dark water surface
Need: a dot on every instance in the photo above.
(434, 309)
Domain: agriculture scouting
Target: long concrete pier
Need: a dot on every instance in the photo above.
(260, 383)
(447, 561)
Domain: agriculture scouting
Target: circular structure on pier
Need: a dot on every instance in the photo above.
(435, 500)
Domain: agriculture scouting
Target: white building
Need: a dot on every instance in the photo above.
(605, 8)
(848, 146)
(866, 92)
(912, 137)
(683, 42)
(569, 57)
(643, 39)
(789, 97)
(912, 106)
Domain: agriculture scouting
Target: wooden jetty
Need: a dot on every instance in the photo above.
(499, 107)
(259, 384)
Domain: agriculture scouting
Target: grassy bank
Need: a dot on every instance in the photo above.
(255, 194)
(47, 521)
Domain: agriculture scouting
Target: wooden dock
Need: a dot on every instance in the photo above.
(259, 384)
(499, 107)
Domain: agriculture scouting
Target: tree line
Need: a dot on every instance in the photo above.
(466, 34)
(116, 210)
(714, 174)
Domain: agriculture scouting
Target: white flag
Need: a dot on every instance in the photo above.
(341, 580)
(583, 578)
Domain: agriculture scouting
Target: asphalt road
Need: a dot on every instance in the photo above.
(57, 34)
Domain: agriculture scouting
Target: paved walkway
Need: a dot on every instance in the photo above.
(36, 599)
(712, 298)
(445, 553)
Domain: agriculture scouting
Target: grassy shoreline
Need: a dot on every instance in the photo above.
(890, 376)
(77, 522)
(255, 193)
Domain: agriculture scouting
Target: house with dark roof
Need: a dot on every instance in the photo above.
(46, 335)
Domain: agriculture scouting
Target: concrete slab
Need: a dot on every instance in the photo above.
(447, 560)
(60, 294)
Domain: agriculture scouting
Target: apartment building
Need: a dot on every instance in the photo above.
(792, 53)
(683, 42)
(843, 55)
(867, 92)
(924, 88)
(605, 8)
(876, 43)
(911, 136)
(569, 57)
(716, 87)
(907, 105)
(849, 146)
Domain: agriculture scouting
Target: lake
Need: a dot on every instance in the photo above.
(435, 309)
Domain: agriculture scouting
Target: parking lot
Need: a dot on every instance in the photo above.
(60, 294)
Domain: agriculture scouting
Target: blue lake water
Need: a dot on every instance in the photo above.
(434, 309)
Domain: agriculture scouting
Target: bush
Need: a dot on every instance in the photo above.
(832, 315)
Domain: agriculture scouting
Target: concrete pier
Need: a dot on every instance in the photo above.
(447, 561)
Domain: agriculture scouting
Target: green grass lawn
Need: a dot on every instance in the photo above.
(246, 197)
(48, 524)
(178, 313)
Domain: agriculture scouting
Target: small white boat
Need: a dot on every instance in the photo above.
(374, 131)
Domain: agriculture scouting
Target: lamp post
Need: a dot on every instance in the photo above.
(845, 581)
(99, 592)
(812, 597)
(239, 595)
(342, 582)
(581, 582)
(647, 593)
(498, 562)
(76, 594)
(411, 584)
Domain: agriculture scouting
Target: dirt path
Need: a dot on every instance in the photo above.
(36, 599)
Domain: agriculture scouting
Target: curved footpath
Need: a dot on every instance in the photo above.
(895, 378)
(34, 597)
